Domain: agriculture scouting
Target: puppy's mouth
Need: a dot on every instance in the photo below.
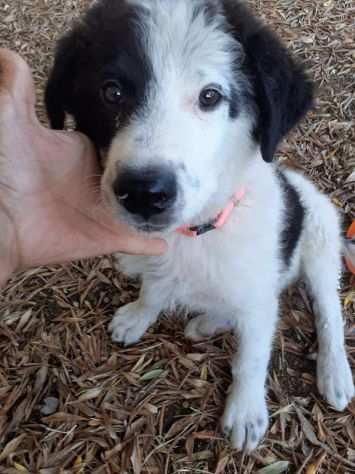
(162, 223)
(149, 228)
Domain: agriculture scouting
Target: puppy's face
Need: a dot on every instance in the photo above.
(176, 100)
(171, 97)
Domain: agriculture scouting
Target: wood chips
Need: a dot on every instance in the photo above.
(72, 402)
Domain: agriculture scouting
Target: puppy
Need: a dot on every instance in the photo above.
(186, 101)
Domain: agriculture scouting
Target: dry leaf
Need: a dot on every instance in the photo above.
(307, 428)
(78, 461)
(311, 469)
(90, 394)
(11, 447)
(222, 464)
(19, 467)
(349, 298)
(276, 468)
(136, 459)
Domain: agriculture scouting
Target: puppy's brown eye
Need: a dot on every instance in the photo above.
(112, 92)
(210, 98)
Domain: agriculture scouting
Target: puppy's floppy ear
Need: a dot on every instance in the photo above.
(60, 85)
(283, 93)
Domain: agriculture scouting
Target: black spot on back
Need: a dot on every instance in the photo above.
(292, 220)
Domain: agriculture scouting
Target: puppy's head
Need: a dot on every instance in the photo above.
(178, 97)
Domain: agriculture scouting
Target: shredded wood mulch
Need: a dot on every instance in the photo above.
(73, 402)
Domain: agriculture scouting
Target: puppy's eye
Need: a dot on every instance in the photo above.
(112, 92)
(210, 98)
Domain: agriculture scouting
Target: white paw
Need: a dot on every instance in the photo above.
(245, 418)
(203, 326)
(334, 378)
(129, 324)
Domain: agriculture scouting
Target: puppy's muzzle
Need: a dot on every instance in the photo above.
(147, 193)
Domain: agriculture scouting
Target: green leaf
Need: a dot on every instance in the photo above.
(153, 374)
(275, 468)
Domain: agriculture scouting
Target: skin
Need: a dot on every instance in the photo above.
(50, 209)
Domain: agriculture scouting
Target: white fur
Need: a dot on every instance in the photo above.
(234, 275)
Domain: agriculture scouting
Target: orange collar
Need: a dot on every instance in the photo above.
(215, 223)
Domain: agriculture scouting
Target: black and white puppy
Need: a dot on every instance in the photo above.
(186, 100)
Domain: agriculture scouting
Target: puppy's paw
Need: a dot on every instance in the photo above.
(245, 419)
(334, 378)
(129, 324)
(203, 326)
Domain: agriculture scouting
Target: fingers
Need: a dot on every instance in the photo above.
(16, 84)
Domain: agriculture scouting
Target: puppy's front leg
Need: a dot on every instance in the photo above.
(131, 321)
(246, 417)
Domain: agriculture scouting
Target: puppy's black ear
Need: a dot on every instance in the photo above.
(283, 93)
(61, 80)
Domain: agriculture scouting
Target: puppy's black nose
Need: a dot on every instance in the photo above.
(146, 192)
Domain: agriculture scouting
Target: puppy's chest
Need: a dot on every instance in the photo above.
(192, 270)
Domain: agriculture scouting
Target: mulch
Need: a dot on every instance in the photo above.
(73, 402)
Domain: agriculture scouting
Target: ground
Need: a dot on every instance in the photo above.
(73, 402)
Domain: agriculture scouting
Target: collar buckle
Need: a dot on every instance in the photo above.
(218, 222)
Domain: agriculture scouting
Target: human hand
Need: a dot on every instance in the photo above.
(50, 208)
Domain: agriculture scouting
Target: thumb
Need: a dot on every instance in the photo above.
(135, 244)
(16, 84)
(114, 236)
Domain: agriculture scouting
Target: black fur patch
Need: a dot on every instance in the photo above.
(105, 45)
(281, 92)
(293, 219)
(234, 103)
